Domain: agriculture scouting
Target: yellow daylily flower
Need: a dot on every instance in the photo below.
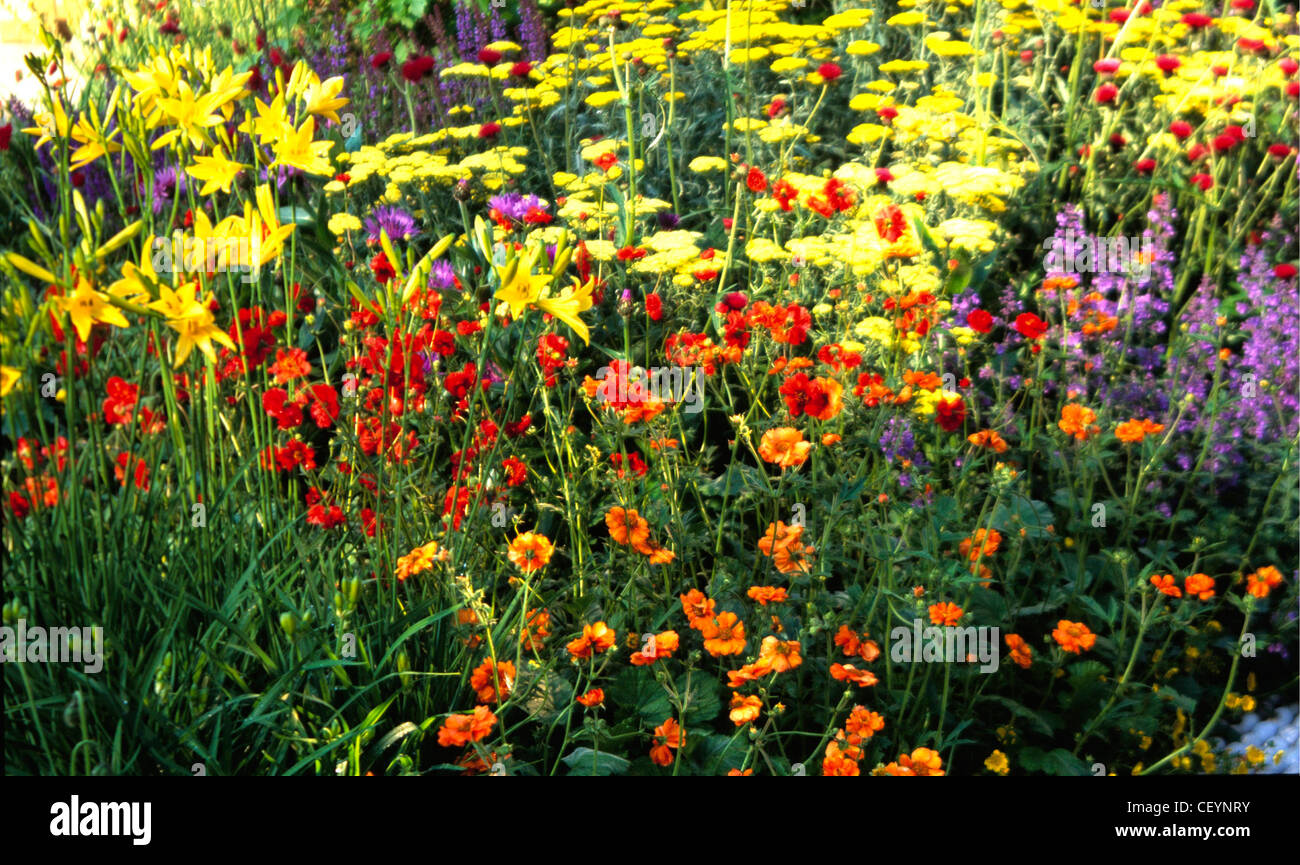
(9, 376)
(87, 307)
(216, 171)
(297, 150)
(322, 99)
(193, 321)
(192, 115)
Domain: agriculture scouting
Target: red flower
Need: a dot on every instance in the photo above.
(380, 61)
(121, 398)
(382, 269)
(891, 223)
(950, 414)
(654, 306)
(979, 320)
(1203, 182)
(1167, 63)
(1106, 93)
(417, 68)
(1180, 128)
(521, 69)
(1030, 326)
(1197, 20)
(756, 181)
(606, 161)
(1145, 166)
(489, 130)
(6, 133)
(829, 71)
(490, 56)
(1284, 271)
(784, 193)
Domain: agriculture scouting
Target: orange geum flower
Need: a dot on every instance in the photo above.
(749, 673)
(724, 635)
(781, 655)
(739, 773)
(862, 724)
(531, 551)
(458, 730)
(668, 735)
(829, 439)
(922, 761)
(784, 446)
(1078, 421)
(481, 681)
(1073, 637)
(794, 558)
(1166, 585)
(988, 439)
(1021, 653)
(869, 650)
(779, 536)
(1132, 431)
(419, 560)
(767, 594)
(1264, 580)
(982, 544)
(657, 554)
(664, 645)
(847, 640)
(697, 607)
(946, 613)
(837, 764)
(593, 698)
(627, 526)
(537, 630)
(850, 673)
(595, 639)
(744, 710)
(1199, 586)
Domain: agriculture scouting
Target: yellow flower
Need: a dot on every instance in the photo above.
(341, 223)
(216, 171)
(525, 288)
(323, 100)
(9, 376)
(193, 321)
(86, 307)
(297, 150)
(997, 762)
(191, 115)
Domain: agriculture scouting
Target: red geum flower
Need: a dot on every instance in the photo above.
(756, 181)
(1180, 128)
(1167, 63)
(1284, 271)
(382, 269)
(950, 414)
(654, 306)
(979, 320)
(1106, 93)
(1030, 326)
(380, 61)
(491, 129)
(121, 399)
(829, 71)
(490, 56)
(1203, 182)
(1145, 166)
(891, 223)
(1197, 20)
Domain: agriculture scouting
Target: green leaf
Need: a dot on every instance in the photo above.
(585, 761)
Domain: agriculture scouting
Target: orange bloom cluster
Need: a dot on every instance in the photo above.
(536, 630)
(988, 439)
(668, 735)
(1073, 637)
(922, 761)
(745, 710)
(946, 613)
(530, 551)
(723, 634)
(697, 607)
(783, 546)
(628, 528)
(663, 646)
(481, 681)
(767, 595)
(839, 764)
(1262, 581)
(850, 673)
(1078, 421)
(1021, 653)
(1132, 431)
(596, 639)
(419, 560)
(851, 643)
(784, 446)
(982, 544)
(459, 730)
(1197, 586)
(593, 698)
